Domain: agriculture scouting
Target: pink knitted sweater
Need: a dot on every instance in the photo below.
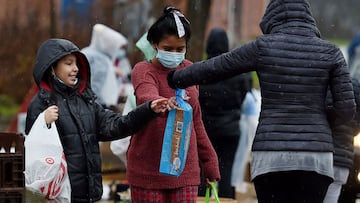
(145, 147)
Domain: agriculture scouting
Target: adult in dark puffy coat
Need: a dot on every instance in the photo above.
(292, 153)
(220, 106)
(62, 74)
(343, 138)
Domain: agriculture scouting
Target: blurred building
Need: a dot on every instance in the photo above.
(25, 24)
(19, 12)
(239, 17)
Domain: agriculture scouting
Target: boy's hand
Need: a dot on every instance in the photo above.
(51, 114)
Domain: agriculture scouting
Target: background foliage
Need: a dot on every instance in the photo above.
(20, 39)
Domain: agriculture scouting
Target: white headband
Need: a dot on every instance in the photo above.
(179, 25)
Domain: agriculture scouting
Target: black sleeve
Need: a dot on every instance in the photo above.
(33, 111)
(227, 65)
(114, 126)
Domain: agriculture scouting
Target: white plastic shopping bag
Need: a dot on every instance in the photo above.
(110, 89)
(45, 164)
(120, 147)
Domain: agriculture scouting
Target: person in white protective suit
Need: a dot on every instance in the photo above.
(119, 147)
(107, 49)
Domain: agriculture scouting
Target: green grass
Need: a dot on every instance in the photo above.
(8, 106)
(339, 42)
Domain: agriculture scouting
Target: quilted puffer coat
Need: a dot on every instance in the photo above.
(343, 133)
(295, 68)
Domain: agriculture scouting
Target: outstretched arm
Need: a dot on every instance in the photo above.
(159, 105)
(342, 91)
(237, 61)
(114, 126)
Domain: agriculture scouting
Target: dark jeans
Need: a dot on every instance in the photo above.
(225, 147)
(291, 187)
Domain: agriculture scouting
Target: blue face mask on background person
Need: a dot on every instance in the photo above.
(170, 59)
(120, 54)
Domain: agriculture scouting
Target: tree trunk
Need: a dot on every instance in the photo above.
(197, 13)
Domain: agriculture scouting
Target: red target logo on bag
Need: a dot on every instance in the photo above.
(49, 160)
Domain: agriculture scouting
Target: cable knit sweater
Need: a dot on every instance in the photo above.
(144, 152)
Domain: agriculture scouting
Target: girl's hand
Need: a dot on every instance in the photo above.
(51, 114)
(172, 104)
(159, 105)
(208, 182)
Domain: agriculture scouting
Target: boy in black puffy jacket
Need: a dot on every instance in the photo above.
(62, 74)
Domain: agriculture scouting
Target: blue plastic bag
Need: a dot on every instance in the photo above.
(176, 137)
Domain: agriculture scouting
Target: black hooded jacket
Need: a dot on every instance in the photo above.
(295, 68)
(221, 102)
(82, 123)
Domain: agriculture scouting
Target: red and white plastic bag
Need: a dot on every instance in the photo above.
(45, 163)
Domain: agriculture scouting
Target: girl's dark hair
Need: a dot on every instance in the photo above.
(166, 25)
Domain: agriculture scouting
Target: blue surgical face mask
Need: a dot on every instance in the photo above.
(120, 54)
(170, 59)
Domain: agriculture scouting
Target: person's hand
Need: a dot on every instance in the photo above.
(208, 182)
(159, 105)
(185, 97)
(172, 104)
(51, 114)
(118, 72)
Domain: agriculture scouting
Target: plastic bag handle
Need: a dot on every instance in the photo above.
(207, 193)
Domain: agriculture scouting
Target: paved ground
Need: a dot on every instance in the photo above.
(111, 161)
(248, 197)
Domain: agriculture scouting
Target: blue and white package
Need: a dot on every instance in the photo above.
(176, 137)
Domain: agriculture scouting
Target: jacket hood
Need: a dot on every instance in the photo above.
(106, 40)
(217, 42)
(283, 14)
(50, 52)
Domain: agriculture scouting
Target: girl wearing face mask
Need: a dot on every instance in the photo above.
(169, 36)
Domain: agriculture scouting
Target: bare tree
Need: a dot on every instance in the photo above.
(198, 13)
